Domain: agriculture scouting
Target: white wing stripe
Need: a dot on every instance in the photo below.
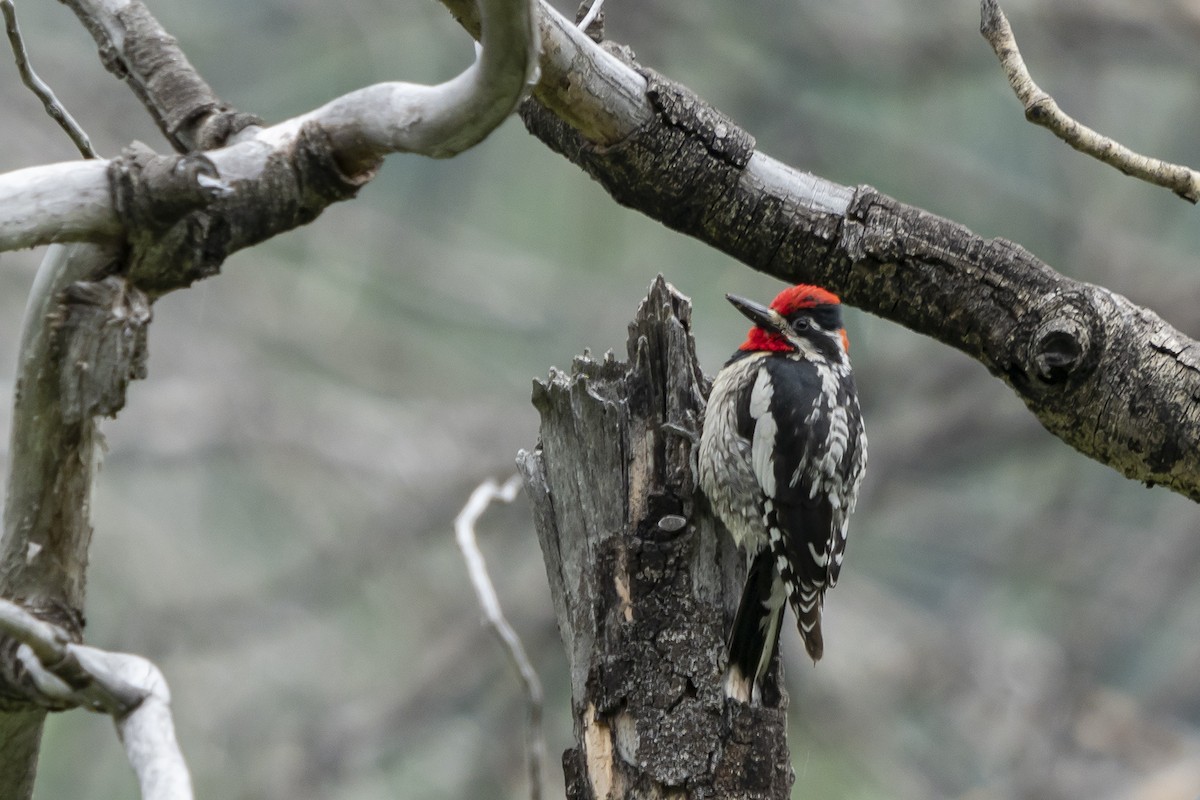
(762, 449)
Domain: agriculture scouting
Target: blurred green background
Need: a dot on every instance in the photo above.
(273, 519)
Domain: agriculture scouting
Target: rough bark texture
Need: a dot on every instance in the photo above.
(643, 581)
(135, 48)
(43, 555)
(1108, 377)
(177, 235)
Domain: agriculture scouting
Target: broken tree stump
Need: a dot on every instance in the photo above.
(644, 581)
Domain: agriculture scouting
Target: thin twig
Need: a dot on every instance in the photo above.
(1041, 109)
(590, 16)
(53, 106)
(464, 529)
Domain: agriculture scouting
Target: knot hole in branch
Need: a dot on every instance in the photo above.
(1065, 340)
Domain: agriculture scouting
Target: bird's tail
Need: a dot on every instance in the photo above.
(808, 619)
(754, 637)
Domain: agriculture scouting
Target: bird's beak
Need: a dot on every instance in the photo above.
(763, 317)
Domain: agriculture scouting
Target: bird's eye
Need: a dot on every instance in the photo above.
(801, 323)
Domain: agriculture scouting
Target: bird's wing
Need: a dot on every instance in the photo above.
(791, 413)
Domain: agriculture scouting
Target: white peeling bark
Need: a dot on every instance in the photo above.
(589, 88)
(56, 203)
(71, 201)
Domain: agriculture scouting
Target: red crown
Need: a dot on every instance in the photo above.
(803, 295)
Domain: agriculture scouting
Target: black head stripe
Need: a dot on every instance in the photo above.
(828, 317)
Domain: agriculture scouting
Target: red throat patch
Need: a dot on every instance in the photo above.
(758, 339)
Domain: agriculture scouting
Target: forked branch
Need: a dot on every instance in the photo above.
(83, 337)
(347, 136)
(464, 532)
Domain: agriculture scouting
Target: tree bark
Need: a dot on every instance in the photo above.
(644, 581)
(84, 335)
(1108, 377)
(1111, 379)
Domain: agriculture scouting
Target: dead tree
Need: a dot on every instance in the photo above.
(643, 580)
(136, 227)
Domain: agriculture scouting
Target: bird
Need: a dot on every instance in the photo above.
(781, 459)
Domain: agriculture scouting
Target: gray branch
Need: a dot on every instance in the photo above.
(1110, 378)
(137, 49)
(60, 674)
(464, 533)
(159, 223)
(77, 202)
(54, 107)
(1041, 109)
(52, 456)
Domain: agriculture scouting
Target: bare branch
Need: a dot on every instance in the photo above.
(43, 553)
(127, 687)
(145, 727)
(57, 111)
(364, 125)
(464, 529)
(46, 531)
(47, 642)
(443, 120)
(67, 202)
(147, 731)
(587, 87)
(1066, 347)
(593, 11)
(1041, 109)
(135, 47)
(66, 672)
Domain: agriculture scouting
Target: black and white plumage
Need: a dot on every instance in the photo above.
(782, 453)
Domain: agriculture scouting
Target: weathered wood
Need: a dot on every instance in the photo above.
(644, 582)
(43, 552)
(1109, 378)
(84, 339)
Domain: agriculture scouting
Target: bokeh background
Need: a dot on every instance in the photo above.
(273, 519)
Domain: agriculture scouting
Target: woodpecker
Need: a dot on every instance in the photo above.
(782, 452)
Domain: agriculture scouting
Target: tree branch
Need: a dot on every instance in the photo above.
(464, 532)
(363, 125)
(134, 47)
(1109, 378)
(1041, 109)
(52, 454)
(67, 202)
(338, 145)
(50, 102)
(58, 673)
(161, 223)
(579, 80)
